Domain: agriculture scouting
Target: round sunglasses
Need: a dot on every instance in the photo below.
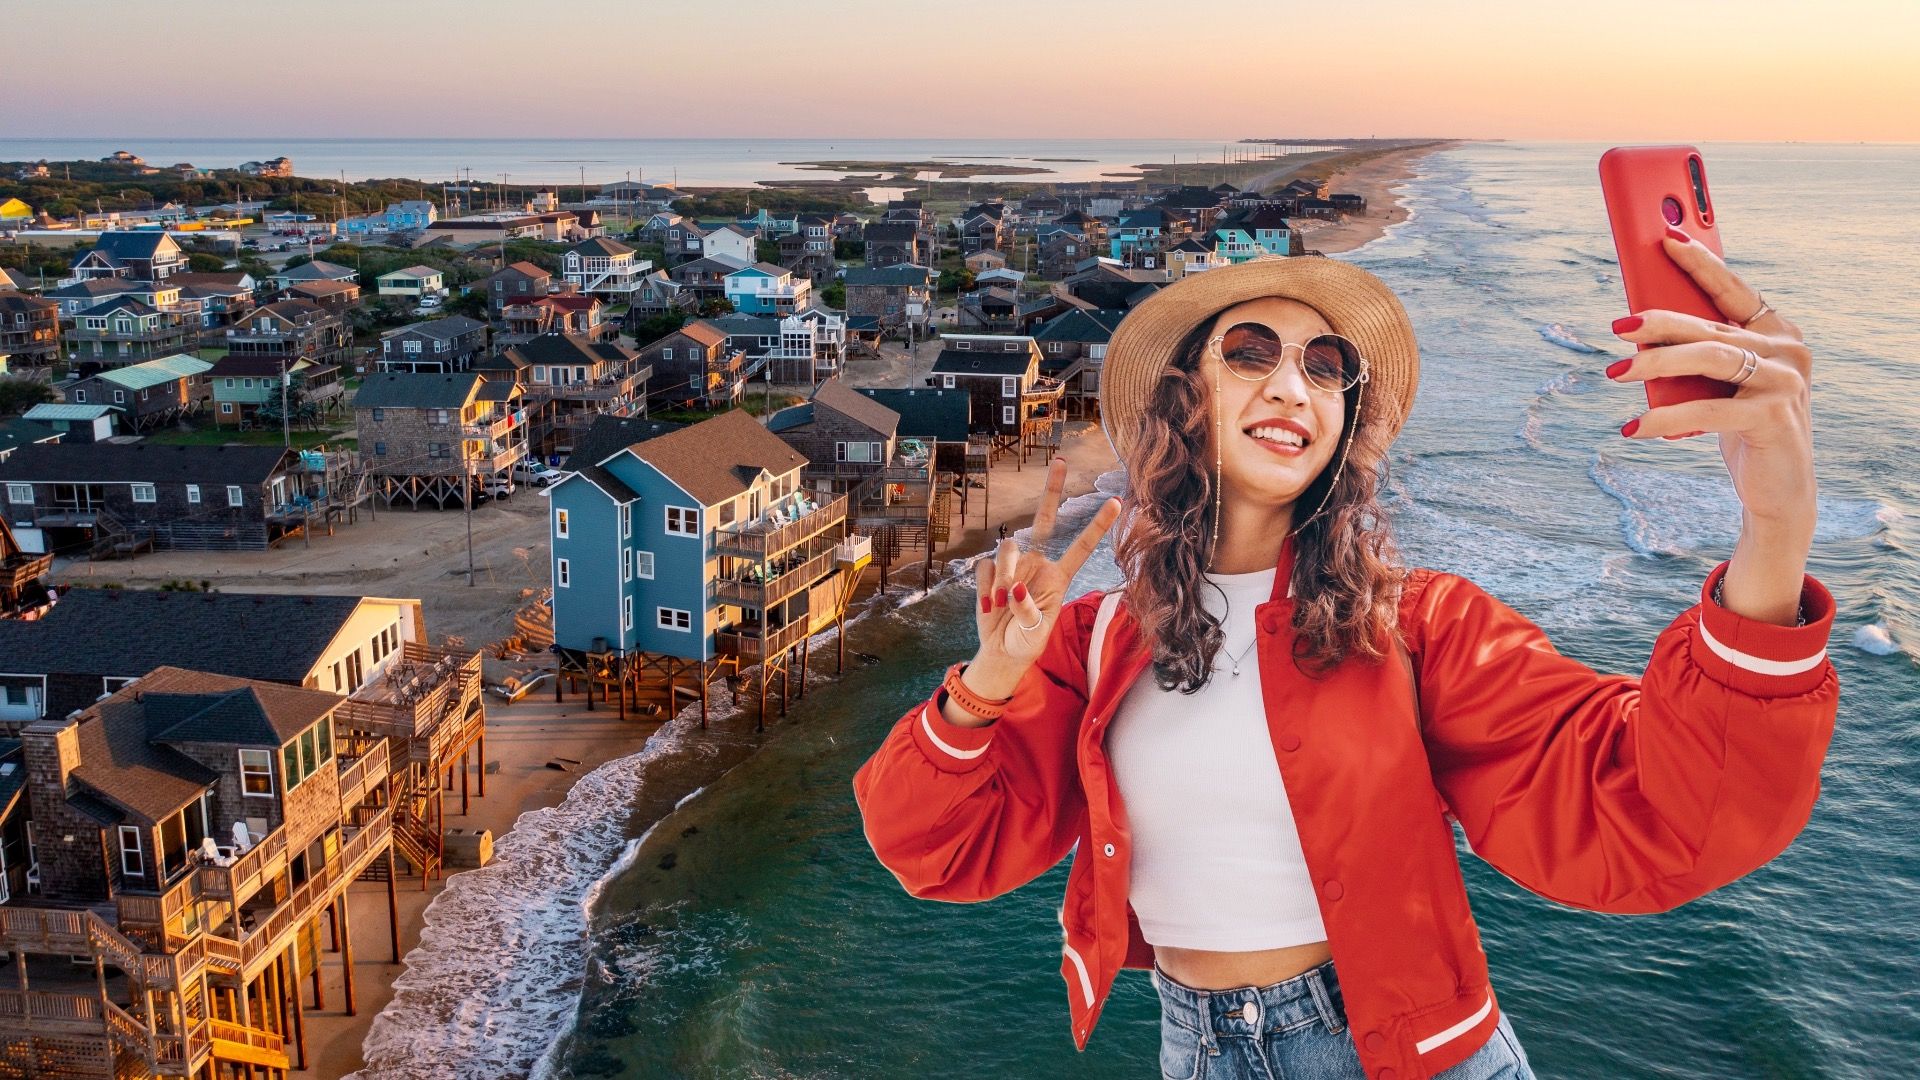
(1253, 351)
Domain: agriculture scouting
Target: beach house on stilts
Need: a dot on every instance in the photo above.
(693, 556)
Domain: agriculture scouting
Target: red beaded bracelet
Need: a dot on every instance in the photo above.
(966, 698)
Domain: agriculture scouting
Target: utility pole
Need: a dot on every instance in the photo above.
(286, 423)
(467, 483)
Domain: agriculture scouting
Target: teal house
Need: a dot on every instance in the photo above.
(696, 546)
(1249, 234)
(766, 289)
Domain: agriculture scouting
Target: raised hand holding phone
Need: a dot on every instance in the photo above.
(1748, 376)
(1019, 596)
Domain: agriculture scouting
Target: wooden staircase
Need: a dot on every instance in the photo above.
(247, 1046)
(113, 538)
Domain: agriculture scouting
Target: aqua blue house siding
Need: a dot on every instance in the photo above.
(588, 605)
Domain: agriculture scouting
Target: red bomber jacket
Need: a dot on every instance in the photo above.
(1602, 792)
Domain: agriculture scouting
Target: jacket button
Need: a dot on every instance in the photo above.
(1271, 624)
(1108, 851)
(1332, 890)
(1376, 1042)
(1289, 742)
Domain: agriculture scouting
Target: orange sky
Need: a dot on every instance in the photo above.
(1706, 70)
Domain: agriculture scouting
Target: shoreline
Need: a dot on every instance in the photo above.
(1382, 180)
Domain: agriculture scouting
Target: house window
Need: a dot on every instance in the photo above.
(353, 671)
(80, 396)
(626, 566)
(643, 565)
(683, 521)
(1055, 347)
(439, 416)
(256, 766)
(675, 619)
(626, 613)
(560, 524)
(626, 520)
(666, 353)
(1011, 346)
(226, 408)
(379, 449)
(193, 494)
(1006, 414)
(963, 346)
(131, 863)
(1009, 385)
(439, 450)
(119, 397)
(142, 493)
(246, 384)
(539, 374)
(235, 497)
(562, 573)
(379, 414)
(20, 493)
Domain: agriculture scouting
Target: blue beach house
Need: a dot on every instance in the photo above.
(766, 289)
(1249, 234)
(698, 544)
(1140, 236)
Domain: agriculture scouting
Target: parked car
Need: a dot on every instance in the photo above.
(536, 473)
(497, 487)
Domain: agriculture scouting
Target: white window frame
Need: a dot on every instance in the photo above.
(643, 570)
(235, 496)
(141, 493)
(1009, 386)
(562, 574)
(1006, 414)
(20, 493)
(138, 852)
(626, 565)
(560, 523)
(267, 756)
(667, 618)
(685, 515)
(193, 494)
(626, 520)
(946, 382)
(626, 613)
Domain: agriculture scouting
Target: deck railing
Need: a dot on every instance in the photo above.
(287, 917)
(19, 571)
(759, 644)
(409, 700)
(248, 871)
(756, 538)
(82, 932)
(246, 1036)
(151, 913)
(765, 594)
(360, 777)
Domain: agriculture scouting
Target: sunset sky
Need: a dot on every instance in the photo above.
(1627, 69)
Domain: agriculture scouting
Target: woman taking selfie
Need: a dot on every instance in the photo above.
(1265, 820)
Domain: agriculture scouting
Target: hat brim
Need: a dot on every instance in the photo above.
(1355, 303)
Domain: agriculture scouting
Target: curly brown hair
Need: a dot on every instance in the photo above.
(1346, 569)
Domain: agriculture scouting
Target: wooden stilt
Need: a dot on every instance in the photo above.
(465, 770)
(346, 952)
(299, 1019)
(483, 765)
(333, 933)
(805, 646)
(393, 906)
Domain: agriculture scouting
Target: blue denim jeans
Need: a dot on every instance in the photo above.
(1295, 1030)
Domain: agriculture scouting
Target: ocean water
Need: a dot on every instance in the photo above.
(752, 934)
(693, 162)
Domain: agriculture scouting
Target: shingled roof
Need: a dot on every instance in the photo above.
(142, 462)
(608, 435)
(718, 458)
(410, 390)
(926, 413)
(129, 632)
(835, 394)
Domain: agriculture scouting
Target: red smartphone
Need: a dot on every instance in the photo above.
(1648, 188)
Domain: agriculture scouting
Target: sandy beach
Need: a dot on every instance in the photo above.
(522, 738)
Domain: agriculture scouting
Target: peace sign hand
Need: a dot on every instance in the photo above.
(1021, 592)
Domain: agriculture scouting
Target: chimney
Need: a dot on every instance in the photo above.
(52, 750)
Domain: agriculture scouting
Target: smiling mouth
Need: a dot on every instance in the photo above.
(1279, 439)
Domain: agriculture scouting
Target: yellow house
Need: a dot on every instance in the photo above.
(15, 210)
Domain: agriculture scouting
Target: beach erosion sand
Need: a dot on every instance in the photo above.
(523, 737)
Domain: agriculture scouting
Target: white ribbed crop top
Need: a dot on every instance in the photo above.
(1216, 859)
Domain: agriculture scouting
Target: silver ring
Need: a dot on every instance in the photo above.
(1035, 626)
(1762, 310)
(1749, 363)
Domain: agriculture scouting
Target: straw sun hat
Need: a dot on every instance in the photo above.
(1358, 306)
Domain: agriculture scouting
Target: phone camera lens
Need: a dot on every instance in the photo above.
(1670, 209)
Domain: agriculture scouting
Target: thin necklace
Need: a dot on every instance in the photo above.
(1235, 661)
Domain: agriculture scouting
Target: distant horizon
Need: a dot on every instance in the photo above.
(1224, 139)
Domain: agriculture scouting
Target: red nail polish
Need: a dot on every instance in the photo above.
(1678, 234)
(1020, 591)
(999, 598)
(1619, 368)
(986, 605)
(1627, 325)
(1630, 427)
